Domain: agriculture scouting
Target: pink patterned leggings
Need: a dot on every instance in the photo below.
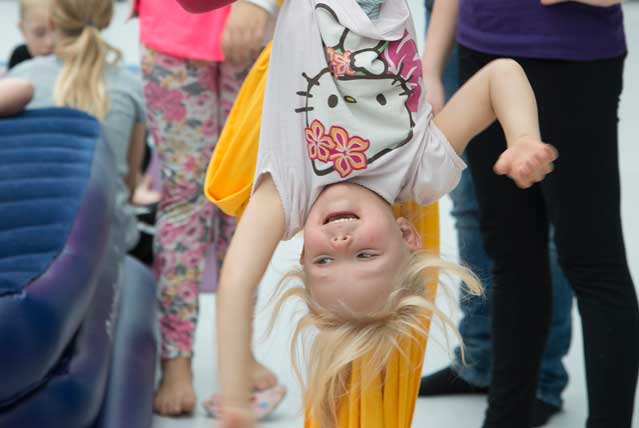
(187, 103)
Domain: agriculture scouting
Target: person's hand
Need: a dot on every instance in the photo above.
(527, 161)
(234, 416)
(599, 3)
(435, 92)
(243, 35)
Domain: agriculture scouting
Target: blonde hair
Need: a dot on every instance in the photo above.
(84, 53)
(339, 341)
(27, 5)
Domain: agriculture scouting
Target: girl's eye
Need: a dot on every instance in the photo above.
(365, 255)
(323, 261)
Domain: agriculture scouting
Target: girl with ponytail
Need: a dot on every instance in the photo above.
(85, 73)
(84, 54)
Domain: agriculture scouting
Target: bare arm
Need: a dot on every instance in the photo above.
(258, 233)
(439, 43)
(135, 156)
(15, 94)
(500, 91)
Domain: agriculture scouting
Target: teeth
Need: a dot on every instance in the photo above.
(341, 220)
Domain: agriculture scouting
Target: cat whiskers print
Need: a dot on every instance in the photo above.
(366, 83)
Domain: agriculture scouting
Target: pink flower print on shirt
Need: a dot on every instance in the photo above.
(318, 143)
(403, 59)
(340, 63)
(349, 153)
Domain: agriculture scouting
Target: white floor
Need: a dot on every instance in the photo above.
(455, 412)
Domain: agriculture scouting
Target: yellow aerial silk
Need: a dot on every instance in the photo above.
(388, 401)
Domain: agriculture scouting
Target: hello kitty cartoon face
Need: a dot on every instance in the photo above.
(361, 105)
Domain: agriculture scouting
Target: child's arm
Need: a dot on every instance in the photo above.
(500, 91)
(437, 48)
(135, 156)
(258, 233)
(15, 94)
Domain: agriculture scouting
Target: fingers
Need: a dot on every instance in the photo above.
(241, 46)
(504, 163)
(527, 165)
(531, 172)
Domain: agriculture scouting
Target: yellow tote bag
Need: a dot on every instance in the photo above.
(388, 401)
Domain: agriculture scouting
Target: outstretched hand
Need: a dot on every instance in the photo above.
(527, 161)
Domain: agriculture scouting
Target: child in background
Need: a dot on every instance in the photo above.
(36, 30)
(85, 74)
(192, 68)
(334, 75)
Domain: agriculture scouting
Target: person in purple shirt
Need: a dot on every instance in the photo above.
(471, 374)
(573, 53)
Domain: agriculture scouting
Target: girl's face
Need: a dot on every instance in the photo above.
(353, 246)
(37, 32)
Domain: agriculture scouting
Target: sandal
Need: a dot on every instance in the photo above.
(263, 402)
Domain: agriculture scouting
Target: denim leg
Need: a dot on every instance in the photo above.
(474, 326)
(553, 377)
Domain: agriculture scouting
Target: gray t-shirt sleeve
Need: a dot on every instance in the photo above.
(132, 85)
(42, 72)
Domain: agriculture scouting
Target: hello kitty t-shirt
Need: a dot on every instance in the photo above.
(344, 101)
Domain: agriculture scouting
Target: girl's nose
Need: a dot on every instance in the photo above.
(341, 239)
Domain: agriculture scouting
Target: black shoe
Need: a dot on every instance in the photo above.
(447, 382)
(542, 412)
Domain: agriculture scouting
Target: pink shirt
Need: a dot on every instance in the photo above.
(166, 27)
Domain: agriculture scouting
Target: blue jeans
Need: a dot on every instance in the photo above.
(475, 327)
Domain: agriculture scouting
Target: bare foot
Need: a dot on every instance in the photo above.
(175, 396)
(262, 377)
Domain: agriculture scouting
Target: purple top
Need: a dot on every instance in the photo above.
(526, 28)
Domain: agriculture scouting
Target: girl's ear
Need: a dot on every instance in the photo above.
(411, 236)
(302, 257)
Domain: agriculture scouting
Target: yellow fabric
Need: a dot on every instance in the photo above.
(229, 178)
(383, 403)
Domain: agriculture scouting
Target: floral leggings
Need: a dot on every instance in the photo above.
(187, 103)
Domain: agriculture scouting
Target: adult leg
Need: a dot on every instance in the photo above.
(580, 117)
(182, 105)
(515, 232)
(470, 374)
(553, 377)
(474, 326)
